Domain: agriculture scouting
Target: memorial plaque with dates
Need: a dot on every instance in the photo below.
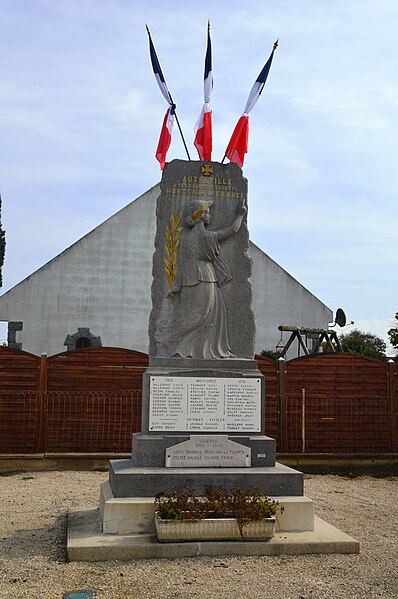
(206, 451)
(205, 404)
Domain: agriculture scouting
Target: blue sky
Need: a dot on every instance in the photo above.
(81, 113)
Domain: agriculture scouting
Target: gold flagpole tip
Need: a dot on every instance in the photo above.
(276, 44)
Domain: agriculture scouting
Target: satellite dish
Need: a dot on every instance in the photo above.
(340, 318)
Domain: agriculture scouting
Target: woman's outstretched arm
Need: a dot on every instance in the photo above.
(235, 225)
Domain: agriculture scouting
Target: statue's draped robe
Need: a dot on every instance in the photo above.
(198, 326)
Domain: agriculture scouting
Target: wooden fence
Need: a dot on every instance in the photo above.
(89, 400)
(77, 401)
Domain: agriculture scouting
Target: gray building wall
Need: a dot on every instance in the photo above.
(278, 299)
(103, 283)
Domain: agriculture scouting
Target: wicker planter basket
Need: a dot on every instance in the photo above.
(213, 529)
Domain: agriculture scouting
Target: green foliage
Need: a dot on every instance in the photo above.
(270, 353)
(2, 247)
(393, 333)
(364, 344)
(246, 506)
(179, 505)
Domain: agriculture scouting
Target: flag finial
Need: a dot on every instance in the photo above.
(276, 44)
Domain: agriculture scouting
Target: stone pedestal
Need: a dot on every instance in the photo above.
(145, 474)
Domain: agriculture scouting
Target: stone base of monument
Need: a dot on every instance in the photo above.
(86, 542)
(135, 515)
(123, 527)
(128, 480)
(200, 428)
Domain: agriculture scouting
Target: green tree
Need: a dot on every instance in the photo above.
(2, 247)
(364, 344)
(270, 353)
(393, 334)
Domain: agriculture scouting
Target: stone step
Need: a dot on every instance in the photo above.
(128, 480)
(86, 542)
(135, 515)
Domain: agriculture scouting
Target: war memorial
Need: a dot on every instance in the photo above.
(203, 411)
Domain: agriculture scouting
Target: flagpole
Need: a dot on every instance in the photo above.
(173, 106)
(179, 127)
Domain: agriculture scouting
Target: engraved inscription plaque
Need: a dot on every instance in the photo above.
(205, 404)
(206, 451)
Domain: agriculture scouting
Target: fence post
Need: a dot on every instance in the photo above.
(42, 403)
(303, 420)
(281, 369)
(393, 407)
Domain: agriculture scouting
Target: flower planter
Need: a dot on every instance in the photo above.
(213, 529)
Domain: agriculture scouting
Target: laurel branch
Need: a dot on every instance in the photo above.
(171, 246)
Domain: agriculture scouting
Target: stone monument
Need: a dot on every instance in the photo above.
(203, 416)
(201, 293)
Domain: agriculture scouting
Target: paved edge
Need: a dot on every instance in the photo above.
(85, 542)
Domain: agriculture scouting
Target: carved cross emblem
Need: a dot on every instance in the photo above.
(207, 170)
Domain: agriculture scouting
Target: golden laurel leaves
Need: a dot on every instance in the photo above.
(171, 246)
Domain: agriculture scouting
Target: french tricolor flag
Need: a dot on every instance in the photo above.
(203, 127)
(165, 137)
(168, 121)
(238, 144)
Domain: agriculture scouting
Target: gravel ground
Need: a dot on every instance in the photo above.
(33, 512)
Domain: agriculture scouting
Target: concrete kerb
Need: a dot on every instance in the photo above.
(349, 464)
(12, 463)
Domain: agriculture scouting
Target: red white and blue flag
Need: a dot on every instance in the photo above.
(238, 144)
(168, 121)
(203, 128)
(165, 137)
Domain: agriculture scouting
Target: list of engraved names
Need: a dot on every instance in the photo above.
(205, 404)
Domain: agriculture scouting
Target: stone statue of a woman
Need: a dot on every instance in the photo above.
(198, 324)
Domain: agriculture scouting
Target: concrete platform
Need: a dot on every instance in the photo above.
(86, 543)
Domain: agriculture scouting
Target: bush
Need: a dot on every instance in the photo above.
(364, 344)
(252, 505)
